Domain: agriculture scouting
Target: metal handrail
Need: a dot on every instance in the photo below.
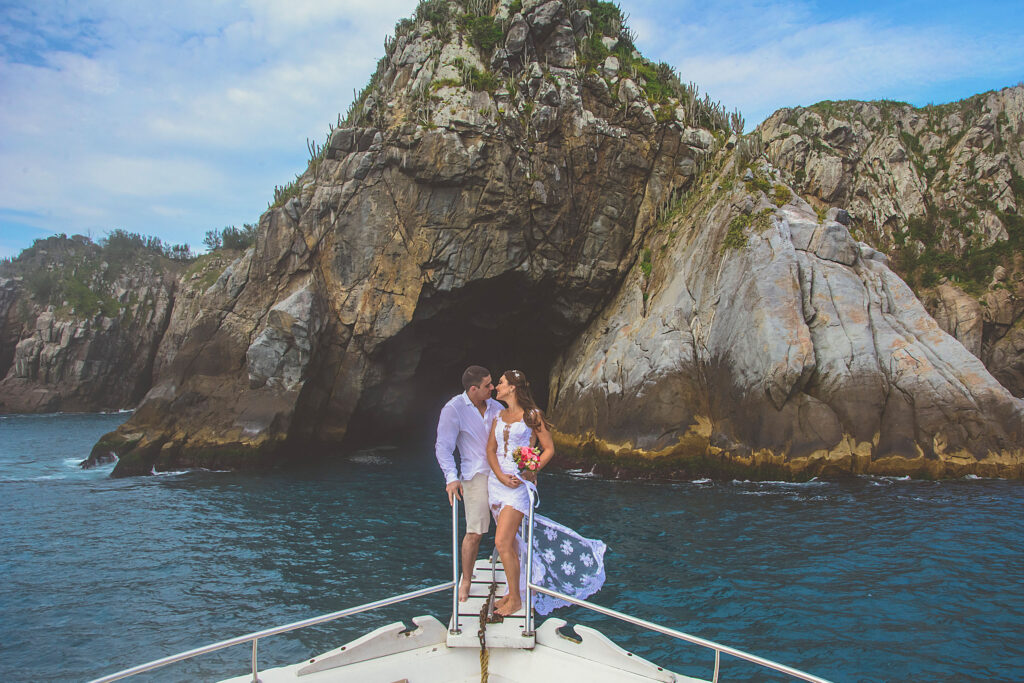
(528, 627)
(718, 648)
(455, 630)
(255, 636)
(649, 625)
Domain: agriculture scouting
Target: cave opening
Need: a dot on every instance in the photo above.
(504, 323)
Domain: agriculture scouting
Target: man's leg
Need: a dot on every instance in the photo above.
(478, 521)
(470, 549)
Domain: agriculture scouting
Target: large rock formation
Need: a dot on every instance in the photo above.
(766, 340)
(522, 189)
(484, 206)
(940, 188)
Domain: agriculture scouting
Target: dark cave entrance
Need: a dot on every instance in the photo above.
(505, 323)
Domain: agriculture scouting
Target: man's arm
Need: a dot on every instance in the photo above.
(444, 448)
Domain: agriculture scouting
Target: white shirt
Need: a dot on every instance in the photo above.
(462, 425)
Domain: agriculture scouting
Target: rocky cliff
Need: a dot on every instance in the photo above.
(518, 187)
(87, 326)
(938, 188)
(484, 202)
(80, 326)
(763, 340)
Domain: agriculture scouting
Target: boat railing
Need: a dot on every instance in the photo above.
(531, 589)
(719, 649)
(255, 637)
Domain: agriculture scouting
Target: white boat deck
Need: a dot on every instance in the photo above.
(432, 654)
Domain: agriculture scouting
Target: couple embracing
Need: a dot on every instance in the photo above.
(494, 482)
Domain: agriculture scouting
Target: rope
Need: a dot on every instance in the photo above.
(485, 656)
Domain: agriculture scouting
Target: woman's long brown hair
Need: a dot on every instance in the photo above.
(532, 415)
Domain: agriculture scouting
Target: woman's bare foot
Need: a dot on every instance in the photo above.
(464, 586)
(500, 602)
(511, 606)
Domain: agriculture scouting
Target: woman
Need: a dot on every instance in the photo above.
(562, 559)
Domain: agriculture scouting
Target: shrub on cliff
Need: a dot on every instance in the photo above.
(483, 31)
(41, 284)
(231, 238)
(120, 245)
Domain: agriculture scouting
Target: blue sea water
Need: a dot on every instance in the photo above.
(870, 579)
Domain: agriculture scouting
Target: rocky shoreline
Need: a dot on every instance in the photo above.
(688, 461)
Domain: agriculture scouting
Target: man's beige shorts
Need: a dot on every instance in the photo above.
(474, 497)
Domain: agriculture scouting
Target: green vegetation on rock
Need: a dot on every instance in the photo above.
(645, 264)
(231, 237)
(780, 195)
(483, 31)
(971, 269)
(474, 79)
(758, 183)
(736, 236)
(78, 276)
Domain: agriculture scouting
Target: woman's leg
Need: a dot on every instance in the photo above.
(505, 542)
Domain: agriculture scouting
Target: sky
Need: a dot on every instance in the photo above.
(172, 119)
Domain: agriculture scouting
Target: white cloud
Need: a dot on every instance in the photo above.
(840, 60)
(174, 118)
(760, 57)
(111, 108)
(90, 76)
(149, 176)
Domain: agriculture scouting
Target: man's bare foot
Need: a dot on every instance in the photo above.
(500, 602)
(513, 605)
(464, 586)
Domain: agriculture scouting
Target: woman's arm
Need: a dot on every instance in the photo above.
(547, 444)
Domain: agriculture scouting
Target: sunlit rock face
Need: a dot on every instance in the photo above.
(794, 354)
(940, 189)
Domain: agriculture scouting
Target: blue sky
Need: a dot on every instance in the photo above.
(171, 119)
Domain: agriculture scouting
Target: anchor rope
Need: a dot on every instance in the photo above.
(485, 655)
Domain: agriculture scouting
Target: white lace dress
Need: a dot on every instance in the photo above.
(563, 560)
(509, 437)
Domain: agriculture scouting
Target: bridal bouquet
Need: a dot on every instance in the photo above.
(527, 458)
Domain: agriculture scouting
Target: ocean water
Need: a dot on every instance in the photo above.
(871, 579)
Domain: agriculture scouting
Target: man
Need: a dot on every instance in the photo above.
(464, 423)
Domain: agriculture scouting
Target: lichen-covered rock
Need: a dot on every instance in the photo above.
(777, 359)
(518, 32)
(959, 314)
(280, 355)
(938, 189)
(544, 18)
